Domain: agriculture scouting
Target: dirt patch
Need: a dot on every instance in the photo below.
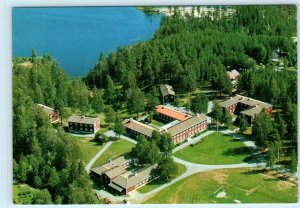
(26, 64)
(237, 201)
(221, 194)
(219, 176)
(250, 191)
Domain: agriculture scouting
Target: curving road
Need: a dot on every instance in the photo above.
(192, 168)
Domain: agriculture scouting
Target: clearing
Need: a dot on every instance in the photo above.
(242, 185)
(216, 148)
(118, 148)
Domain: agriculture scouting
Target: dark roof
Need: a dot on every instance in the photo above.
(83, 119)
(166, 90)
(186, 124)
(139, 127)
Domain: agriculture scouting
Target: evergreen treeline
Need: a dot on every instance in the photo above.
(45, 157)
(187, 50)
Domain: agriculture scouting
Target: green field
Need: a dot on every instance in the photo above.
(216, 148)
(118, 148)
(244, 185)
(154, 184)
(157, 123)
(88, 147)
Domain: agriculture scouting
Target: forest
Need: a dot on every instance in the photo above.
(185, 52)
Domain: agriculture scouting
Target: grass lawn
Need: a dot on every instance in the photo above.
(88, 147)
(244, 185)
(216, 148)
(154, 184)
(118, 148)
(157, 123)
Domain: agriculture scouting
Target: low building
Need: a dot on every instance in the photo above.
(179, 132)
(233, 75)
(126, 183)
(167, 93)
(114, 175)
(169, 114)
(107, 172)
(247, 106)
(187, 128)
(83, 124)
(53, 115)
(138, 128)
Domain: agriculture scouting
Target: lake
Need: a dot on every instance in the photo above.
(75, 36)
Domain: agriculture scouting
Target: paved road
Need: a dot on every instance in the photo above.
(93, 160)
(192, 168)
(113, 134)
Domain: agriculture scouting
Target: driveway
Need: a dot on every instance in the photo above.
(113, 134)
(135, 197)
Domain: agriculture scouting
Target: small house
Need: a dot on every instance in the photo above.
(83, 124)
(167, 93)
(52, 114)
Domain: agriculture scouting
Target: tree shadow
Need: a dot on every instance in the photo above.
(238, 151)
(256, 171)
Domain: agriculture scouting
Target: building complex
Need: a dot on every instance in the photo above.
(114, 175)
(181, 126)
(247, 106)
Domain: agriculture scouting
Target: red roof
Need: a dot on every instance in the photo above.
(177, 115)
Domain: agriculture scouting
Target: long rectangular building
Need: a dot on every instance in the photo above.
(83, 124)
(179, 132)
(138, 128)
(170, 114)
(188, 128)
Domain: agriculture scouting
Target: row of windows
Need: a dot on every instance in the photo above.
(85, 125)
(81, 129)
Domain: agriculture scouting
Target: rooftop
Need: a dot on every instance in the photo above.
(110, 165)
(126, 181)
(233, 74)
(83, 119)
(166, 90)
(139, 127)
(244, 100)
(170, 112)
(45, 108)
(186, 124)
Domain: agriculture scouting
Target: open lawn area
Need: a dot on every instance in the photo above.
(154, 184)
(239, 186)
(216, 148)
(156, 123)
(88, 147)
(118, 148)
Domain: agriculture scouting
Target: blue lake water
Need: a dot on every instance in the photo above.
(75, 36)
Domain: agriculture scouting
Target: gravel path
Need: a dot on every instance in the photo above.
(135, 197)
(93, 160)
(113, 134)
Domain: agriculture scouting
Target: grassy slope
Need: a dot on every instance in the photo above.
(239, 184)
(215, 149)
(117, 149)
(88, 147)
(153, 185)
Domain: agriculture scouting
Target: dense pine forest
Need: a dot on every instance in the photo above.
(185, 52)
